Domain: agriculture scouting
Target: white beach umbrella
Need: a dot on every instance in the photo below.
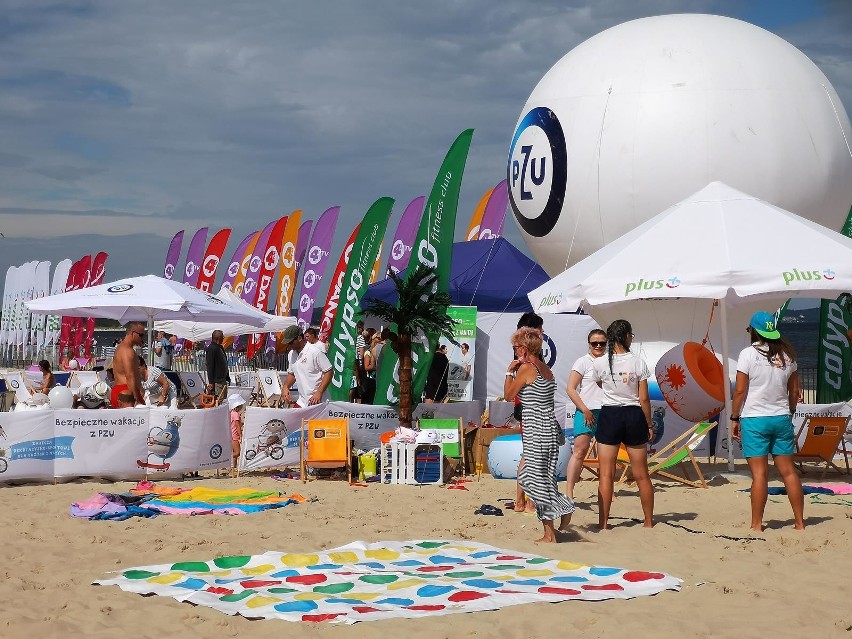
(718, 244)
(197, 331)
(146, 299)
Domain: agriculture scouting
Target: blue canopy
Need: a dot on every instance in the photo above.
(490, 274)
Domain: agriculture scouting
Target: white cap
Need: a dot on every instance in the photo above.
(235, 400)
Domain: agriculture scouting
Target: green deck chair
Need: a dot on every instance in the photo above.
(677, 453)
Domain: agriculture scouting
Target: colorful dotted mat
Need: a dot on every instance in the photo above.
(363, 582)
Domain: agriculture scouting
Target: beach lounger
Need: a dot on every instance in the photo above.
(675, 455)
(83, 378)
(591, 463)
(270, 388)
(15, 382)
(328, 446)
(823, 440)
(62, 379)
(193, 386)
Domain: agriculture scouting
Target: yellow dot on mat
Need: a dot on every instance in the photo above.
(343, 557)
(381, 553)
(259, 570)
(259, 601)
(309, 596)
(295, 559)
(169, 578)
(569, 565)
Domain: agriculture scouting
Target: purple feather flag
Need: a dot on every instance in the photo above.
(194, 256)
(236, 258)
(302, 243)
(494, 216)
(406, 230)
(316, 260)
(173, 255)
(249, 293)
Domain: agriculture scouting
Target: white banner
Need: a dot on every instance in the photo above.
(4, 318)
(41, 288)
(123, 443)
(26, 286)
(461, 374)
(54, 322)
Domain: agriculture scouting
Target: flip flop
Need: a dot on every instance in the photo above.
(454, 487)
(488, 509)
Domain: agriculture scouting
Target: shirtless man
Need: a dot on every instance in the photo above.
(125, 365)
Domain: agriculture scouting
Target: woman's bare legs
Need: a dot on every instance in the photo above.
(606, 471)
(759, 490)
(523, 504)
(639, 466)
(575, 464)
(784, 465)
(549, 533)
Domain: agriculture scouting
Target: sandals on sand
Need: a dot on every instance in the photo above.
(488, 509)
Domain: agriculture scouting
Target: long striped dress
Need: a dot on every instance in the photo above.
(541, 439)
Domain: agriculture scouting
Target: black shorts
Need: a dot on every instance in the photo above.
(622, 425)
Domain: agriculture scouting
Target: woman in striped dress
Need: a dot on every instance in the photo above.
(530, 379)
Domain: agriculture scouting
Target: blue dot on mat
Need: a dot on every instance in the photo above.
(281, 573)
(443, 559)
(370, 564)
(484, 553)
(296, 606)
(324, 567)
(393, 601)
(568, 579)
(527, 582)
(434, 591)
(350, 602)
(599, 571)
(482, 583)
(407, 562)
(192, 584)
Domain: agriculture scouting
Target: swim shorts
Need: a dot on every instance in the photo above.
(580, 426)
(622, 425)
(116, 390)
(764, 435)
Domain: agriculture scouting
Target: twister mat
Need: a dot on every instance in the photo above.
(367, 581)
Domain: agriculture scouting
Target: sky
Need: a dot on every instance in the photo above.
(124, 122)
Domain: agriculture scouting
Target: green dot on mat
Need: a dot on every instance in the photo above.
(432, 544)
(333, 589)
(237, 596)
(191, 566)
(505, 567)
(139, 574)
(235, 561)
(465, 575)
(281, 591)
(378, 579)
(537, 560)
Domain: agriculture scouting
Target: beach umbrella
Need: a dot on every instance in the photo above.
(146, 299)
(718, 244)
(197, 331)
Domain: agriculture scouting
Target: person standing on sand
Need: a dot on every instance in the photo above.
(218, 375)
(625, 418)
(125, 365)
(530, 379)
(765, 399)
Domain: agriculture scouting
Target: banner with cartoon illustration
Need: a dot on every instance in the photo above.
(462, 356)
(121, 443)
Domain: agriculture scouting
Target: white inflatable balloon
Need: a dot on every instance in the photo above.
(73, 364)
(646, 113)
(61, 397)
(690, 379)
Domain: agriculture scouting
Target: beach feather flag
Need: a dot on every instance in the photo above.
(494, 217)
(97, 278)
(287, 267)
(302, 245)
(433, 247)
(316, 259)
(341, 343)
(194, 257)
(210, 263)
(244, 247)
(476, 218)
(269, 262)
(41, 289)
(173, 255)
(406, 229)
(329, 311)
(84, 278)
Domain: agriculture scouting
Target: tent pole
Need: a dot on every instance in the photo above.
(726, 387)
(150, 339)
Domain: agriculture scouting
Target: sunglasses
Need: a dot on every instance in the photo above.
(597, 344)
(142, 334)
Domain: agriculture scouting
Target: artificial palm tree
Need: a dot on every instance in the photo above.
(418, 311)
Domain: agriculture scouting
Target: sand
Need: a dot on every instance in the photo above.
(793, 584)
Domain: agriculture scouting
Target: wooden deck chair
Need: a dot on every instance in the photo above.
(82, 378)
(325, 444)
(451, 433)
(15, 382)
(591, 463)
(270, 387)
(823, 440)
(677, 453)
(192, 386)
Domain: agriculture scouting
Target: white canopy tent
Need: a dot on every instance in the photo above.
(145, 299)
(197, 331)
(718, 244)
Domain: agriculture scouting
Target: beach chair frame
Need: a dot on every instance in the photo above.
(192, 386)
(269, 384)
(16, 382)
(678, 453)
(591, 463)
(332, 447)
(823, 440)
(79, 379)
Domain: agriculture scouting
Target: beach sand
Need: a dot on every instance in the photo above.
(790, 585)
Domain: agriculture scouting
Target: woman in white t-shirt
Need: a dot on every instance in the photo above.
(765, 398)
(587, 397)
(625, 418)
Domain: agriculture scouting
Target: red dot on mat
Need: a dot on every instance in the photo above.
(549, 590)
(639, 575)
(466, 595)
(603, 587)
(307, 580)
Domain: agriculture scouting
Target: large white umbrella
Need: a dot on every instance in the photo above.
(145, 299)
(203, 330)
(718, 244)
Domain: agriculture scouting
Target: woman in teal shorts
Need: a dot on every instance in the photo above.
(586, 396)
(765, 399)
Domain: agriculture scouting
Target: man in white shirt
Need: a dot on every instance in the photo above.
(309, 368)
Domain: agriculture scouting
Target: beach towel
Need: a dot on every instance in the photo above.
(369, 581)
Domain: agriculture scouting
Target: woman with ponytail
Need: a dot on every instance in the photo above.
(625, 418)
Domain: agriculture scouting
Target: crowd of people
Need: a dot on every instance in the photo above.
(609, 389)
